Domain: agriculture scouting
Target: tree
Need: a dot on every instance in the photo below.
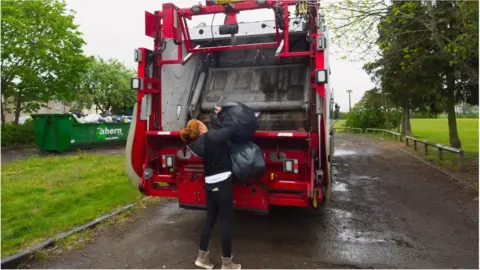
(106, 84)
(42, 56)
(427, 54)
(404, 70)
(452, 24)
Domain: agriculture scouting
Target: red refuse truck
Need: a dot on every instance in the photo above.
(277, 67)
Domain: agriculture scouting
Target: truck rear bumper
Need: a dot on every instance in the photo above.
(203, 207)
(252, 198)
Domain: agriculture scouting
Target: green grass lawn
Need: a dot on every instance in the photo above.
(436, 130)
(339, 123)
(45, 196)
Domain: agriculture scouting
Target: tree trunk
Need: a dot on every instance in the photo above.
(18, 107)
(2, 109)
(3, 102)
(452, 118)
(406, 127)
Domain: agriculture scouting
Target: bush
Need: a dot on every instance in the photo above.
(362, 117)
(16, 135)
(343, 115)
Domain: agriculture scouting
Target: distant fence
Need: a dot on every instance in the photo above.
(385, 132)
(345, 129)
(426, 144)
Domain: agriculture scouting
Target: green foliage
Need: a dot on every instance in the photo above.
(374, 111)
(343, 115)
(17, 135)
(42, 56)
(106, 84)
(363, 117)
(468, 115)
(427, 58)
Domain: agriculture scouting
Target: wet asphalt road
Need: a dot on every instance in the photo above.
(388, 211)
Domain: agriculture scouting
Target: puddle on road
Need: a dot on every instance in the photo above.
(341, 214)
(334, 171)
(374, 238)
(166, 214)
(341, 187)
(343, 152)
(364, 177)
(363, 238)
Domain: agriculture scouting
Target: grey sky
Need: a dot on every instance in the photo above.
(113, 29)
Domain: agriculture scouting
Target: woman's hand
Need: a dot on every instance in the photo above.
(218, 109)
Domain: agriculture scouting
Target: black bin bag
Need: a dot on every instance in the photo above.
(239, 115)
(248, 162)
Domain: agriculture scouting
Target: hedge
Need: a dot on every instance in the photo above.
(17, 135)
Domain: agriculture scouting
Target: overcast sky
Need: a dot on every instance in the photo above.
(113, 29)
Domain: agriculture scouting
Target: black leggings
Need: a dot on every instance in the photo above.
(219, 203)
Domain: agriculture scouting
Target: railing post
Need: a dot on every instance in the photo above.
(460, 161)
(401, 137)
(440, 153)
(426, 149)
(406, 141)
(375, 132)
(415, 145)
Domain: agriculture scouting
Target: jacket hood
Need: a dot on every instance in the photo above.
(198, 147)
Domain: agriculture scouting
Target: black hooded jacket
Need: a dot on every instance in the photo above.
(213, 148)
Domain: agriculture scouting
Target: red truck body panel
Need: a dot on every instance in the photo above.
(152, 147)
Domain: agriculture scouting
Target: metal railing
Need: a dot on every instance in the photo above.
(394, 134)
(426, 144)
(440, 148)
(349, 129)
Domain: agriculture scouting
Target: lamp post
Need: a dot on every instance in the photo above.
(349, 100)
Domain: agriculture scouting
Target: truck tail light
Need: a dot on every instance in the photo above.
(168, 161)
(290, 165)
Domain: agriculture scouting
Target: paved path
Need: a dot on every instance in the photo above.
(389, 211)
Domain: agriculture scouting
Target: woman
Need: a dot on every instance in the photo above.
(212, 146)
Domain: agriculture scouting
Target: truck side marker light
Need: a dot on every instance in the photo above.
(138, 55)
(136, 84)
(321, 76)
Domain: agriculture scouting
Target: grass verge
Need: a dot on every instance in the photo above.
(436, 130)
(45, 196)
(340, 123)
(81, 239)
